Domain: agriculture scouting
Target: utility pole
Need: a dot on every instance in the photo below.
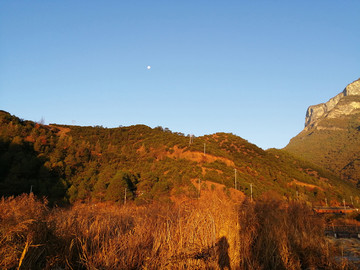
(31, 189)
(344, 203)
(191, 139)
(199, 187)
(125, 197)
(351, 198)
(251, 192)
(235, 184)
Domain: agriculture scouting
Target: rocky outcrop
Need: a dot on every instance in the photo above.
(353, 89)
(333, 108)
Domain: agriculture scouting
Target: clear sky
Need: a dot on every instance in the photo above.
(246, 67)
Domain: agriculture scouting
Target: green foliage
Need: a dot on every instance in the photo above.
(117, 188)
(193, 192)
(161, 188)
(72, 193)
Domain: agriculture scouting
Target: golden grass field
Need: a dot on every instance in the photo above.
(213, 232)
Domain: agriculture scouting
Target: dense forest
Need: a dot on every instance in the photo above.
(143, 164)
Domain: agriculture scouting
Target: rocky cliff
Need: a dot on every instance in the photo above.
(331, 137)
(334, 107)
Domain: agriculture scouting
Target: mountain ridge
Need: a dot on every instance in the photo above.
(331, 137)
(73, 163)
(329, 109)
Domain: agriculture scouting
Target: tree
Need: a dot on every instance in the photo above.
(120, 184)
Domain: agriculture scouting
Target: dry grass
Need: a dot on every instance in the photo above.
(23, 232)
(198, 234)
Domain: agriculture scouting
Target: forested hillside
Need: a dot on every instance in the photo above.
(71, 163)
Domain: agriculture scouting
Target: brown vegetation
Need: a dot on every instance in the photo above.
(198, 234)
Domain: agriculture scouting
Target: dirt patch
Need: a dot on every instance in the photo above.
(302, 184)
(204, 170)
(62, 131)
(178, 153)
(198, 156)
(141, 150)
(323, 179)
(29, 139)
(312, 173)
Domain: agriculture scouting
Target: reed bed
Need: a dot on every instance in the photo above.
(215, 233)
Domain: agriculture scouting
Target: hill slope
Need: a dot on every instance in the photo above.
(331, 137)
(144, 164)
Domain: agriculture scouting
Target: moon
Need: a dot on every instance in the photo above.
(148, 67)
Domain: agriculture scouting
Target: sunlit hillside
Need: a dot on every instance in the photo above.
(141, 164)
(332, 139)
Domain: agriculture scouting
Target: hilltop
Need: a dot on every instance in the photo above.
(143, 164)
(331, 138)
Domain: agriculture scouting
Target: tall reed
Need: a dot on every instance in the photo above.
(210, 233)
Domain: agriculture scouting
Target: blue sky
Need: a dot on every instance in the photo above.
(246, 67)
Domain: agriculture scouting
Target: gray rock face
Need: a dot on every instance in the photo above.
(353, 89)
(332, 109)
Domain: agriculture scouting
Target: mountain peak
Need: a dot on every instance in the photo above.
(331, 138)
(335, 107)
(353, 89)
